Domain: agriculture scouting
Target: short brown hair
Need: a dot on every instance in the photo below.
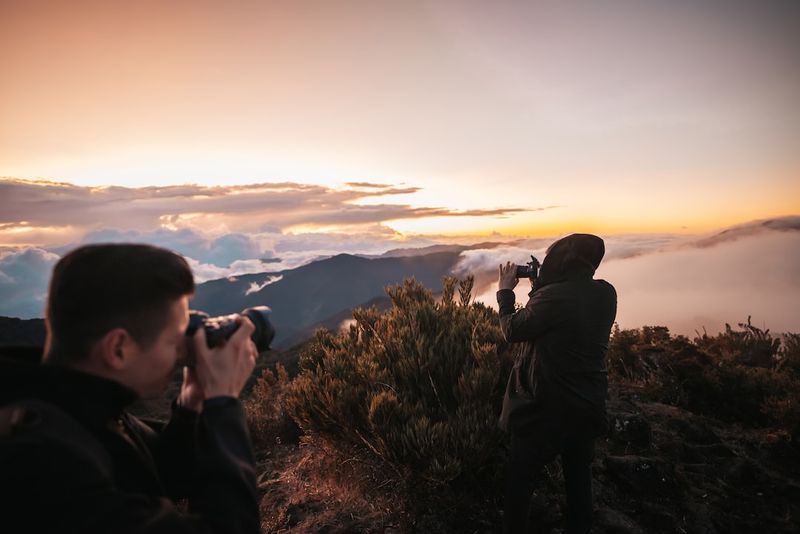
(96, 288)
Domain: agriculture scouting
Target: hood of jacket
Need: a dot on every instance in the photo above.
(572, 257)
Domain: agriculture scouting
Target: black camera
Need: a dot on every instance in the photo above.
(218, 329)
(529, 270)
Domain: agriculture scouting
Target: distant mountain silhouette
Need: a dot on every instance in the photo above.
(336, 321)
(320, 291)
(13, 331)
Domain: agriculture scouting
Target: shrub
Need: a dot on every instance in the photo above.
(749, 346)
(265, 409)
(789, 356)
(729, 390)
(420, 385)
(634, 355)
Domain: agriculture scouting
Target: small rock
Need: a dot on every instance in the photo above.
(703, 453)
(644, 476)
(617, 522)
(630, 429)
(746, 472)
(693, 431)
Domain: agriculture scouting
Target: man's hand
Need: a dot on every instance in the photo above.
(224, 370)
(191, 395)
(508, 276)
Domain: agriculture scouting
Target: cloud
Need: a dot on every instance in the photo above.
(483, 263)
(279, 250)
(367, 185)
(222, 209)
(685, 283)
(220, 251)
(203, 272)
(688, 289)
(782, 224)
(24, 275)
(255, 288)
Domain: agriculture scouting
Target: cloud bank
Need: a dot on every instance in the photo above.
(44, 208)
(222, 231)
(688, 284)
(684, 282)
(24, 275)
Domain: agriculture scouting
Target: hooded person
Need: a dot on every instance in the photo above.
(555, 398)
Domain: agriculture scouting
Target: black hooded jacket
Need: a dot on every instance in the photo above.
(73, 460)
(558, 385)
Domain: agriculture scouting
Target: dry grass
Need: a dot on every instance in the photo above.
(317, 487)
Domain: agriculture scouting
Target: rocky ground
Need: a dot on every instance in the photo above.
(660, 470)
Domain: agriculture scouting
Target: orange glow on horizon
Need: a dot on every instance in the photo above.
(466, 106)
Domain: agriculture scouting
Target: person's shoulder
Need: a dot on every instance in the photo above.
(605, 285)
(35, 430)
(49, 462)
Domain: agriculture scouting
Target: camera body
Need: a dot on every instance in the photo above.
(530, 269)
(220, 328)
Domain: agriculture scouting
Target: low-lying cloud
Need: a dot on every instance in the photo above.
(484, 263)
(687, 284)
(684, 282)
(24, 275)
(219, 251)
(689, 289)
(25, 271)
(255, 287)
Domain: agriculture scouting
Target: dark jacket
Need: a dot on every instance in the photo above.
(73, 460)
(558, 385)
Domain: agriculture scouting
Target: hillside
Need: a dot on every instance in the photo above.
(662, 469)
(25, 332)
(313, 293)
(704, 437)
(319, 294)
(704, 433)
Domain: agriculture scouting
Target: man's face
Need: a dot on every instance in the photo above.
(152, 367)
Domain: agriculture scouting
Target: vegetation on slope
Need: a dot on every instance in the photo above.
(390, 426)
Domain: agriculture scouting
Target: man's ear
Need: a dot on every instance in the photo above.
(116, 348)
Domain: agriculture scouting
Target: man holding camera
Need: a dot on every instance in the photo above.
(73, 460)
(555, 398)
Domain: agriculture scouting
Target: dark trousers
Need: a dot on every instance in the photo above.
(527, 458)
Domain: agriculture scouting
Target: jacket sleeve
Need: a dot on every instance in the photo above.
(57, 466)
(541, 313)
(175, 452)
(207, 458)
(225, 468)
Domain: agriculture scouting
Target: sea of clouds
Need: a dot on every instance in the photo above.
(684, 282)
(25, 271)
(688, 284)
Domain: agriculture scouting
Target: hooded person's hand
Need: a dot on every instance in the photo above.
(508, 276)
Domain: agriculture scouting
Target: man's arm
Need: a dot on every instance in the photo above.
(58, 478)
(206, 443)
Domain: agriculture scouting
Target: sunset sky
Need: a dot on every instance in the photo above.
(255, 136)
(527, 118)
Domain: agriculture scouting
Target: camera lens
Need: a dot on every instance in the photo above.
(218, 329)
(264, 332)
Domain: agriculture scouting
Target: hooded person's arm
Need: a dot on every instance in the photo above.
(542, 312)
